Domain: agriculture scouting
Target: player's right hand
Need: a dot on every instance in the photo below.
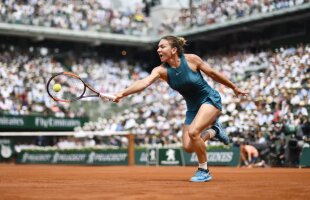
(118, 97)
(107, 97)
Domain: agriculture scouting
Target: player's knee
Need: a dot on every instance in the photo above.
(188, 149)
(193, 133)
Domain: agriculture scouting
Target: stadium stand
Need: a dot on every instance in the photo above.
(204, 13)
(98, 16)
(102, 16)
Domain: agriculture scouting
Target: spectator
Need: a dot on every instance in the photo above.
(249, 155)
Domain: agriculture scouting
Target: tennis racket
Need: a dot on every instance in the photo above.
(72, 88)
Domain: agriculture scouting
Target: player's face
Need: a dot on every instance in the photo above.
(165, 51)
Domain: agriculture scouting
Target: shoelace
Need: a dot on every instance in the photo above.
(197, 173)
(201, 173)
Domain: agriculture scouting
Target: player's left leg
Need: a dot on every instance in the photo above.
(217, 130)
(220, 132)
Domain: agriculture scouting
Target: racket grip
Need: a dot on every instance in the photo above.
(108, 97)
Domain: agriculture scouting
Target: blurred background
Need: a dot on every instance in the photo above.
(261, 45)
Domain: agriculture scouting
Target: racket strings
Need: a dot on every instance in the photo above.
(71, 87)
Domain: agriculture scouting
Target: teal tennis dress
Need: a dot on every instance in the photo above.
(192, 86)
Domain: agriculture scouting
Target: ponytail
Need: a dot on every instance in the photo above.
(177, 42)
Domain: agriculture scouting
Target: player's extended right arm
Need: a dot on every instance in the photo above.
(139, 85)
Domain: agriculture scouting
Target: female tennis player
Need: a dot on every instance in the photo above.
(183, 73)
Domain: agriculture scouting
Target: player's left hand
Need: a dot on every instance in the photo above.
(239, 92)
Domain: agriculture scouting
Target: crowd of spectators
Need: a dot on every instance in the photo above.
(274, 114)
(86, 15)
(207, 12)
(102, 16)
(23, 77)
(273, 117)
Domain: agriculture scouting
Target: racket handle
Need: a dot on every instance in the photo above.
(108, 97)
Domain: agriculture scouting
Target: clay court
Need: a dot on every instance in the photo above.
(115, 182)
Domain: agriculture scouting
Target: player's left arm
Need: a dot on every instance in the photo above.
(215, 75)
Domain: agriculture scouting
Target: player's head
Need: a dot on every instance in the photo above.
(170, 46)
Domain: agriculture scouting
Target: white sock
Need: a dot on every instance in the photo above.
(203, 165)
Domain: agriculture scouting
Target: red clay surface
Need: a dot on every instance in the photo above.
(115, 182)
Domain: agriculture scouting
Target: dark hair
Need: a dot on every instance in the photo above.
(177, 42)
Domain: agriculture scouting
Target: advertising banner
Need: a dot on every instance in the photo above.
(216, 156)
(305, 157)
(141, 156)
(82, 157)
(170, 156)
(151, 156)
(39, 123)
(6, 149)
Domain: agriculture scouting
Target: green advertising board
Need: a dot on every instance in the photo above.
(221, 156)
(170, 156)
(81, 157)
(159, 156)
(6, 149)
(141, 156)
(39, 123)
(305, 157)
(108, 157)
(151, 156)
(216, 156)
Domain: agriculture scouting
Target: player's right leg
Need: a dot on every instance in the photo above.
(187, 144)
(205, 116)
